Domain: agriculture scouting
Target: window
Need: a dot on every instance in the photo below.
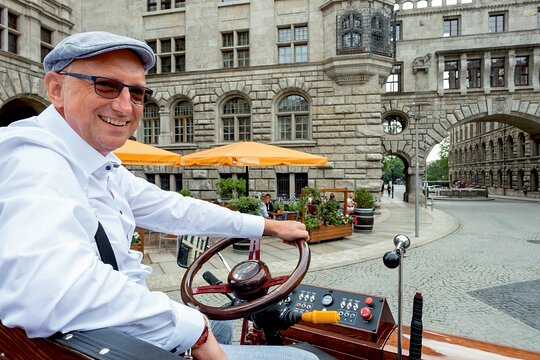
(151, 178)
(178, 178)
(283, 185)
(183, 122)
(293, 118)
(396, 31)
(235, 54)
(393, 124)
(150, 123)
(497, 23)
(151, 5)
(393, 83)
(46, 42)
(474, 73)
(497, 72)
(236, 120)
(451, 27)
(180, 3)
(9, 24)
(165, 4)
(170, 55)
(451, 75)
(293, 44)
(300, 182)
(521, 72)
(351, 31)
(165, 181)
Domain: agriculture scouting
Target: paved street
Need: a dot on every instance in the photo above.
(482, 281)
(480, 277)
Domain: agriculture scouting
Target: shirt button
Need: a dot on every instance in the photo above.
(121, 213)
(108, 167)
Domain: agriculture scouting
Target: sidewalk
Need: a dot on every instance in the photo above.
(396, 217)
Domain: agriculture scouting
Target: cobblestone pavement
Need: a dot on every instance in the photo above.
(482, 281)
(480, 278)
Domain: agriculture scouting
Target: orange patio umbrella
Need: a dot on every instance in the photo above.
(250, 153)
(136, 153)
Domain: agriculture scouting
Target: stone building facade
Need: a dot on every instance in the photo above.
(306, 74)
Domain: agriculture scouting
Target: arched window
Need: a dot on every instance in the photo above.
(509, 179)
(490, 178)
(500, 148)
(520, 179)
(499, 179)
(510, 148)
(150, 123)
(534, 180)
(183, 122)
(521, 146)
(483, 156)
(293, 118)
(236, 120)
(394, 124)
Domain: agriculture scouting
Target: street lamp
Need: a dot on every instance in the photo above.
(415, 114)
(392, 167)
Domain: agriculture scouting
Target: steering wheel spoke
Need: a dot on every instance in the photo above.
(212, 289)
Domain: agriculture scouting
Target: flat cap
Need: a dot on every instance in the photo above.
(88, 44)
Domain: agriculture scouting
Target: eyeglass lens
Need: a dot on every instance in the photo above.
(110, 89)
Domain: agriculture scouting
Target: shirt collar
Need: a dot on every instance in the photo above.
(88, 158)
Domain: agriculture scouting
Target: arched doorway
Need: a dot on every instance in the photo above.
(18, 109)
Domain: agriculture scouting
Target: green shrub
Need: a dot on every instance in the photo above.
(246, 205)
(229, 188)
(185, 192)
(364, 198)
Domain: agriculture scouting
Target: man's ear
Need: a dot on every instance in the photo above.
(55, 89)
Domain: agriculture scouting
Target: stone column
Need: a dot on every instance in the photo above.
(486, 72)
(511, 60)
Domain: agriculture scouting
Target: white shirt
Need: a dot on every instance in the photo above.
(54, 188)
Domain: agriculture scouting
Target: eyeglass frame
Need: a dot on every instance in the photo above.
(147, 91)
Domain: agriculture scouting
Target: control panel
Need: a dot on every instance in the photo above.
(356, 310)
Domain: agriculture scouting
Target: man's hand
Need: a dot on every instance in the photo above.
(286, 230)
(210, 350)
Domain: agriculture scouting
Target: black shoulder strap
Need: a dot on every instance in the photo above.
(104, 247)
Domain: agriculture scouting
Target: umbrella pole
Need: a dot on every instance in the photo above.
(247, 180)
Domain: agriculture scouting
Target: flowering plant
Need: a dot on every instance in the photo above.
(136, 238)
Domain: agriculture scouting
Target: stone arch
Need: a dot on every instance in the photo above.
(21, 107)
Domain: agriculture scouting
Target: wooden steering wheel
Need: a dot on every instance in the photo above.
(249, 280)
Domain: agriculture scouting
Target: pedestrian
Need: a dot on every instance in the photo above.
(64, 182)
(389, 189)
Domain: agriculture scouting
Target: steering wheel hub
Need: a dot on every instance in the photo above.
(247, 278)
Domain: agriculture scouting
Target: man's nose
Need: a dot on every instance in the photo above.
(123, 102)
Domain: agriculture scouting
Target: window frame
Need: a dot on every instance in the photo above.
(471, 71)
(453, 29)
(235, 49)
(151, 126)
(296, 117)
(235, 119)
(395, 79)
(183, 122)
(451, 75)
(494, 25)
(522, 71)
(298, 46)
(171, 52)
(500, 75)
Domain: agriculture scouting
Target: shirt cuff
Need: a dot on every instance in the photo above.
(253, 226)
(189, 325)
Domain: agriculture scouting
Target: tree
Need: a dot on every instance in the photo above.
(438, 169)
(392, 162)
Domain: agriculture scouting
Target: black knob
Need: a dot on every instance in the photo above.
(391, 260)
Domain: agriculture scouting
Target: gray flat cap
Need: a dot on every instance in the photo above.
(88, 44)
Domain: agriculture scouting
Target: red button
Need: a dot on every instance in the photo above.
(369, 301)
(366, 314)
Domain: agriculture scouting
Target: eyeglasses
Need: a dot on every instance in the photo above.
(111, 89)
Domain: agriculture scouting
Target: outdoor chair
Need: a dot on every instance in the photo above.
(167, 237)
(191, 246)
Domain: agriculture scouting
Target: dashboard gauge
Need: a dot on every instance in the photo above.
(327, 300)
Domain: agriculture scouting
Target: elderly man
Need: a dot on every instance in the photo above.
(60, 179)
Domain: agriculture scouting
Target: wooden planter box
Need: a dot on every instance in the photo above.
(330, 232)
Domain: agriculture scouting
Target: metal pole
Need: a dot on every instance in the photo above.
(416, 177)
(400, 292)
